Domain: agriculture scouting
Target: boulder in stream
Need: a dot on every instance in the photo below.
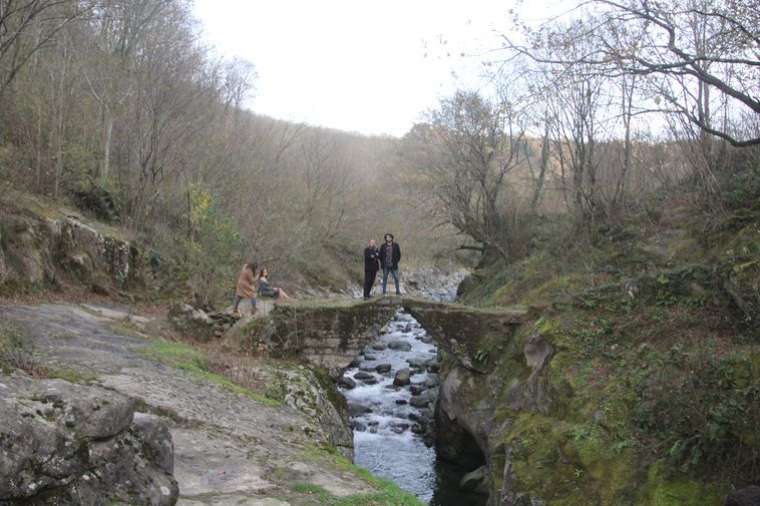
(419, 401)
(402, 378)
(417, 388)
(399, 345)
(355, 409)
(346, 382)
(383, 368)
(418, 363)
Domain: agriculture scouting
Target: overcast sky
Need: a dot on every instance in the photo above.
(369, 67)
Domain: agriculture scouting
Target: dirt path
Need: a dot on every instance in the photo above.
(229, 448)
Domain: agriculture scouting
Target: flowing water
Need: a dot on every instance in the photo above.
(393, 425)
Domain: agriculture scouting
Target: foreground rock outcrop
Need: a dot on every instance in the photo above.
(233, 444)
(66, 444)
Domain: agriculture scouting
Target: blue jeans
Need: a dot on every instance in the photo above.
(394, 273)
(239, 299)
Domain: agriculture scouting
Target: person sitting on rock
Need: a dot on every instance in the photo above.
(265, 289)
(246, 287)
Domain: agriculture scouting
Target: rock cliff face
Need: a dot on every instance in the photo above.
(474, 403)
(65, 444)
(55, 248)
(560, 410)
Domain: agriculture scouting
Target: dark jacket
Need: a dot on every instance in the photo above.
(371, 262)
(265, 289)
(395, 259)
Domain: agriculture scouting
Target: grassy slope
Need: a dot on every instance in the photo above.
(656, 372)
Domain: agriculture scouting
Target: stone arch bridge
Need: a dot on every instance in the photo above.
(331, 334)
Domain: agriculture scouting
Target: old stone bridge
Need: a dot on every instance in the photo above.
(331, 334)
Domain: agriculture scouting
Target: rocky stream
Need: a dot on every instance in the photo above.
(392, 389)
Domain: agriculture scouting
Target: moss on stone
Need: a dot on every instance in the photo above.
(71, 375)
(664, 490)
(386, 493)
(193, 361)
(555, 289)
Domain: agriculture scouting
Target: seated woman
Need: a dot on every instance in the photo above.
(267, 290)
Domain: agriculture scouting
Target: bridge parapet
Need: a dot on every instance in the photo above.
(332, 333)
(467, 332)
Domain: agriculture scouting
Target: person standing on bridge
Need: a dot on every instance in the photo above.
(371, 266)
(390, 256)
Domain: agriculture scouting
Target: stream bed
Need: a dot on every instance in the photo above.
(391, 389)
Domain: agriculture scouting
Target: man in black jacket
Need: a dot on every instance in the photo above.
(371, 265)
(390, 255)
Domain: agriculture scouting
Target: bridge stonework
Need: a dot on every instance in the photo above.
(331, 334)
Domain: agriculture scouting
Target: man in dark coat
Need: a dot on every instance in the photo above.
(371, 266)
(390, 256)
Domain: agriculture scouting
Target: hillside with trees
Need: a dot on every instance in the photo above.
(611, 179)
(120, 109)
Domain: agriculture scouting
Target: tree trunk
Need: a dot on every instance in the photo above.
(59, 127)
(107, 135)
(539, 188)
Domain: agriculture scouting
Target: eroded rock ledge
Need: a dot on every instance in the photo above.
(43, 248)
(66, 444)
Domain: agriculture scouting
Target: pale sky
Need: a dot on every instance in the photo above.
(368, 67)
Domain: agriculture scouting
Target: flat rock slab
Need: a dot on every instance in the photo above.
(205, 465)
(233, 500)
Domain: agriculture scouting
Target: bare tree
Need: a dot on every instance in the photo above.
(686, 49)
(26, 27)
(465, 154)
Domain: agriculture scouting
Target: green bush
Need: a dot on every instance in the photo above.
(13, 353)
(701, 410)
(743, 188)
(214, 248)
